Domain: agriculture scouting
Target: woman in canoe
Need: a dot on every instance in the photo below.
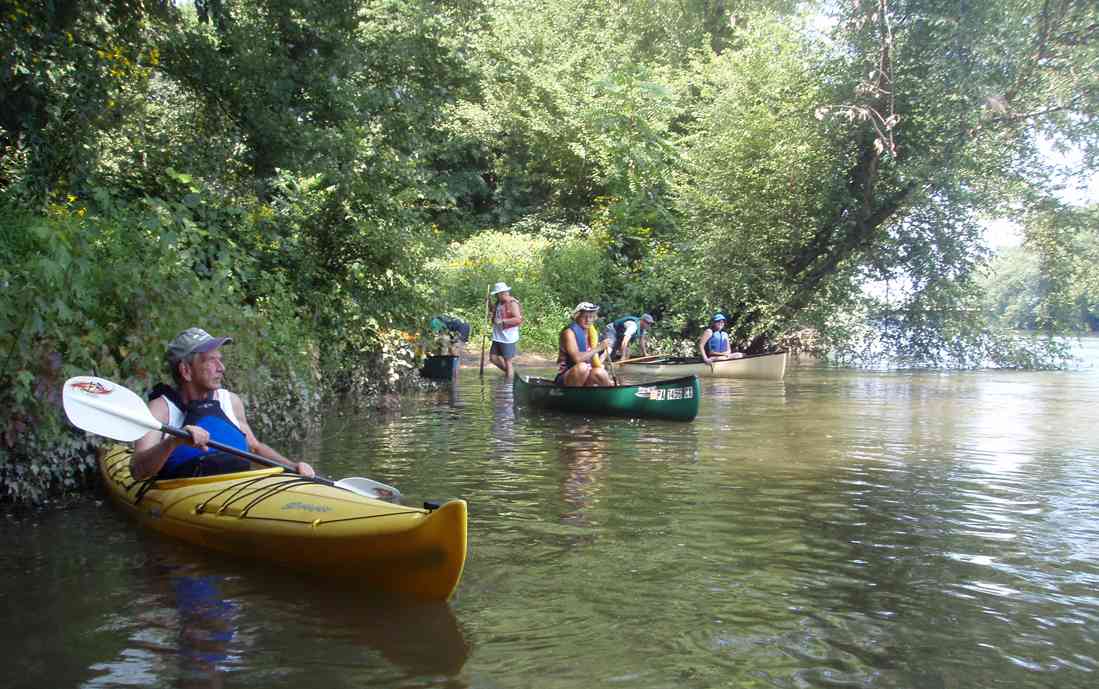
(577, 353)
(714, 345)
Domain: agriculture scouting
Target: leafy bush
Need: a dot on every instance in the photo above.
(100, 288)
(549, 268)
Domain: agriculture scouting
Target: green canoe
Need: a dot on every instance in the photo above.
(675, 399)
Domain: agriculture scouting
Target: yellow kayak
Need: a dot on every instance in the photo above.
(271, 515)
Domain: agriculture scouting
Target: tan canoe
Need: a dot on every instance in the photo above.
(771, 366)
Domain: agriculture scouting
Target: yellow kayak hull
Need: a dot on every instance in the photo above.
(271, 515)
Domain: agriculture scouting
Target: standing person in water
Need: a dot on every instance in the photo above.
(506, 319)
(714, 345)
(200, 406)
(576, 351)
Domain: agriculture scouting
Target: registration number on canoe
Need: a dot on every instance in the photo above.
(661, 394)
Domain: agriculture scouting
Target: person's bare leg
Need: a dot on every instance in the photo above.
(577, 376)
(599, 378)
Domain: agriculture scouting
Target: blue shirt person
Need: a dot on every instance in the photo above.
(715, 345)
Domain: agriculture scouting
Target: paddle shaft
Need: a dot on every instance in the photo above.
(610, 367)
(180, 433)
(640, 358)
(484, 335)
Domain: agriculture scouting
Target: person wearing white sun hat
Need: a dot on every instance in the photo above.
(576, 351)
(506, 316)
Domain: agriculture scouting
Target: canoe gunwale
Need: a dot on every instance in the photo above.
(631, 401)
(688, 360)
(666, 382)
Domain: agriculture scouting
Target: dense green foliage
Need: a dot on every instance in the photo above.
(98, 290)
(1051, 282)
(320, 178)
(551, 273)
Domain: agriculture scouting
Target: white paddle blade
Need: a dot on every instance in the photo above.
(370, 488)
(99, 406)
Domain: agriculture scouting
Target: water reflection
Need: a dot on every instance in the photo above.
(200, 621)
(840, 528)
(503, 415)
(582, 455)
(207, 625)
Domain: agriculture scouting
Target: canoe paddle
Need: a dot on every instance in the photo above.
(640, 358)
(610, 367)
(484, 335)
(108, 409)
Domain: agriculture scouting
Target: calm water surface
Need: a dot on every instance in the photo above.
(841, 528)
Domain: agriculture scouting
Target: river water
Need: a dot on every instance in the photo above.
(840, 528)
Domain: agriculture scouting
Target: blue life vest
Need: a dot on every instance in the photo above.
(563, 361)
(718, 342)
(206, 414)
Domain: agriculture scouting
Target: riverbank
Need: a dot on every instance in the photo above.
(471, 358)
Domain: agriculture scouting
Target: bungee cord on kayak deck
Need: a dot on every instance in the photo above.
(252, 490)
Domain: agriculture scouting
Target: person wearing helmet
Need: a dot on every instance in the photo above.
(714, 345)
(576, 351)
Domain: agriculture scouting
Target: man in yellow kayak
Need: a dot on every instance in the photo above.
(203, 408)
(578, 361)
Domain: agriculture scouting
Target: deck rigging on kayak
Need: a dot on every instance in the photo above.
(331, 528)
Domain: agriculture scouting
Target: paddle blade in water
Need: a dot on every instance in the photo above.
(99, 406)
(370, 488)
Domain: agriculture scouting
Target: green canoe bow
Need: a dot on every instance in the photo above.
(675, 399)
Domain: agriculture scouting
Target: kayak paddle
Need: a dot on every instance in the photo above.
(99, 406)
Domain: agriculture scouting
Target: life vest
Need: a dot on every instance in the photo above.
(620, 327)
(718, 342)
(214, 414)
(593, 337)
(582, 334)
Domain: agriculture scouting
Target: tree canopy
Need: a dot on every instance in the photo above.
(341, 170)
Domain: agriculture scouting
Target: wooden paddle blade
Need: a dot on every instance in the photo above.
(99, 406)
